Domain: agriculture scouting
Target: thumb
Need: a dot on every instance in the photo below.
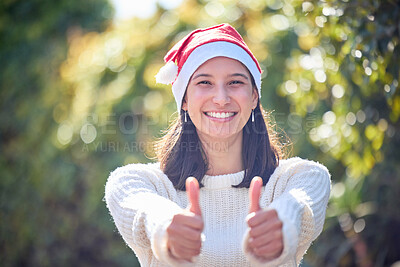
(193, 194)
(254, 193)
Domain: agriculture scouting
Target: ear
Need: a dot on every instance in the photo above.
(255, 98)
(184, 103)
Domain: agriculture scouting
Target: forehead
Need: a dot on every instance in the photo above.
(222, 64)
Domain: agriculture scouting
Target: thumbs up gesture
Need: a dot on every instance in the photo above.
(193, 193)
(265, 226)
(184, 231)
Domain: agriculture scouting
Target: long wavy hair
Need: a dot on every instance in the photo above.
(181, 153)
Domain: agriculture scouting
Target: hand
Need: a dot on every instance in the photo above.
(265, 227)
(184, 231)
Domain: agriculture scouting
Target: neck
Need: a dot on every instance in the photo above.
(224, 155)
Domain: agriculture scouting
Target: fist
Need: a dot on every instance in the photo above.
(184, 231)
(266, 239)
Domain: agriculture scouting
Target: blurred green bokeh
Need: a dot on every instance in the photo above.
(78, 99)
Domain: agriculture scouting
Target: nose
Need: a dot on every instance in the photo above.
(221, 96)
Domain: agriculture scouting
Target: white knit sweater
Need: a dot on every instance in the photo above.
(142, 201)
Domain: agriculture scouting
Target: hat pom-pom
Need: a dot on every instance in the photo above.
(167, 74)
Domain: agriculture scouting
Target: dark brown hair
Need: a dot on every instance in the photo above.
(181, 153)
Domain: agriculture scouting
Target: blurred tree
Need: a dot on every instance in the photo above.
(330, 74)
(51, 211)
(346, 68)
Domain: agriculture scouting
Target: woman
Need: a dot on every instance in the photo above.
(252, 208)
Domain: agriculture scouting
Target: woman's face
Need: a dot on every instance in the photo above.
(219, 98)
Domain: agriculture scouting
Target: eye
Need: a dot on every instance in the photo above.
(236, 82)
(203, 82)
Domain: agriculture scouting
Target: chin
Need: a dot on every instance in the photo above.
(220, 134)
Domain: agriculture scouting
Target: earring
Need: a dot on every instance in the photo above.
(252, 115)
(185, 115)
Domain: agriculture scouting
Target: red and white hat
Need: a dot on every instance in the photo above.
(199, 46)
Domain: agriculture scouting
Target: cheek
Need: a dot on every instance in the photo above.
(195, 99)
(194, 106)
(196, 94)
(245, 99)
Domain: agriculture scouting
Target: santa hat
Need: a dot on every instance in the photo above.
(199, 46)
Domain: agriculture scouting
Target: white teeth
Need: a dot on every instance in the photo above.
(221, 115)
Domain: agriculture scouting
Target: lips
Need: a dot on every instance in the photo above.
(220, 115)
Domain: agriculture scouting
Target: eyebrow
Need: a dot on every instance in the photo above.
(201, 75)
(209, 75)
(239, 74)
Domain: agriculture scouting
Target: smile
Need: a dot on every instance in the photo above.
(220, 115)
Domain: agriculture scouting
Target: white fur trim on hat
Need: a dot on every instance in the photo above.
(205, 52)
(167, 73)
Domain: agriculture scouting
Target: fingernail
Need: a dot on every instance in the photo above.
(203, 237)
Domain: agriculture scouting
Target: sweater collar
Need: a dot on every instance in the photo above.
(222, 181)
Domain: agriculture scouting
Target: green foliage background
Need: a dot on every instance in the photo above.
(78, 99)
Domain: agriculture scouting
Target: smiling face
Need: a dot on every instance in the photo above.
(219, 98)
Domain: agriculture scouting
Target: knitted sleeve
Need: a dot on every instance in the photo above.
(141, 201)
(300, 192)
